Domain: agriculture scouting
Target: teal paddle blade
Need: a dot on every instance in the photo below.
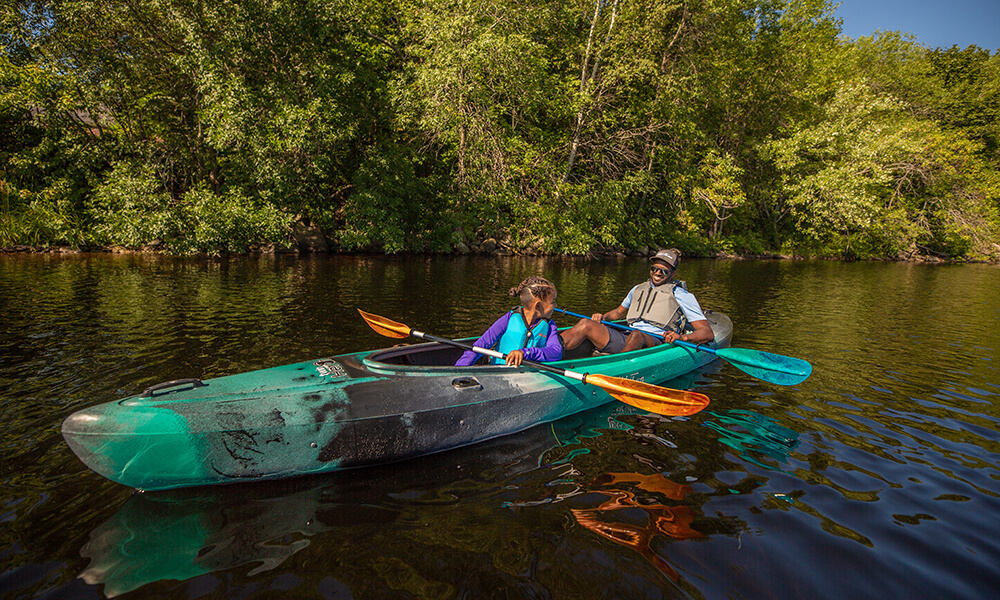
(782, 370)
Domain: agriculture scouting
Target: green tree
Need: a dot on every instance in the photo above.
(557, 126)
(480, 92)
(969, 94)
(866, 179)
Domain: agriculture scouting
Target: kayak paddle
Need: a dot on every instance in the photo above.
(652, 398)
(775, 368)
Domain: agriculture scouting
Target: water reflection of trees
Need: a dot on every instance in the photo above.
(901, 391)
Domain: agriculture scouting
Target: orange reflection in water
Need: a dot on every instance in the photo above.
(671, 521)
(651, 483)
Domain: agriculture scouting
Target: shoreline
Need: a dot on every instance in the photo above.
(499, 252)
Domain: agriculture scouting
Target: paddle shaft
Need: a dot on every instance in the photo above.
(486, 351)
(642, 395)
(783, 370)
(627, 328)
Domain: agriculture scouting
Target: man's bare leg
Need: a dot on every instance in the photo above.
(637, 340)
(586, 329)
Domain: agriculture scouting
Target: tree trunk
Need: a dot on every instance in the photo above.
(587, 81)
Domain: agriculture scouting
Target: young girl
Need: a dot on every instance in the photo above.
(527, 332)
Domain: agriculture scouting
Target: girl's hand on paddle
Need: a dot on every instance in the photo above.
(597, 317)
(514, 358)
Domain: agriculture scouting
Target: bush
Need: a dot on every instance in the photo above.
(394, 209)
(228, 222)
(131, 209)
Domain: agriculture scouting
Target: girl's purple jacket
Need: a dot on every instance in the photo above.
(550, 352)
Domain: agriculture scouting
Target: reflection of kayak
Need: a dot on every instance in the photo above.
(149, 539)
(184, 533)
(336, 413)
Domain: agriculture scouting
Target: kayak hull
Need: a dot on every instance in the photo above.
(342, 412)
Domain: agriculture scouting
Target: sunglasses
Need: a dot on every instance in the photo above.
(659, 270)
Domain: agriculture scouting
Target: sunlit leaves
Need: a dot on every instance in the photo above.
(868, 171)
(837, 172)
(553, 125)
(479, 86)
(130, 209)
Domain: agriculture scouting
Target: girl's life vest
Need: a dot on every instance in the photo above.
(657, 306)
(518, 336)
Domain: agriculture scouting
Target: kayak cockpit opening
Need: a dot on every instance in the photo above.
(435, 354)
(419, 355)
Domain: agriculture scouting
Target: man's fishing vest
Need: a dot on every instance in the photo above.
(658, 306)
(517, 335)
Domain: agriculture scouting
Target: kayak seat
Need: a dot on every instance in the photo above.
(584, 350)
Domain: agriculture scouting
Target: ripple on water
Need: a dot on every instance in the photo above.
(876, 476)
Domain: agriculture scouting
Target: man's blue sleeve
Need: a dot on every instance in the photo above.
(689, 304)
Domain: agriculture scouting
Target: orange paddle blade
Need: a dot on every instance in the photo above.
(386, 327)
(655, 399)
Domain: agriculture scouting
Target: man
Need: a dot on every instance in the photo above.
(661, 309)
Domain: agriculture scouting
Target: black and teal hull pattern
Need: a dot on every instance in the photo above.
(342, 412)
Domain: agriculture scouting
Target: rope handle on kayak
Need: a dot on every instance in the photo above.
(194, 382)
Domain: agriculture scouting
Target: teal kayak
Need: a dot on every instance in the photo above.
(342, 412)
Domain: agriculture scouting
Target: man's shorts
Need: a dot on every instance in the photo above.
(617, 337)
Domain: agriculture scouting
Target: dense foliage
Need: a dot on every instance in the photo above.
(745, 126)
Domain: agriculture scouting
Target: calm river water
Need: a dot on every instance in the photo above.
(879, 476)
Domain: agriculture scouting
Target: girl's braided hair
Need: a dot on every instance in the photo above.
(534, 287)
